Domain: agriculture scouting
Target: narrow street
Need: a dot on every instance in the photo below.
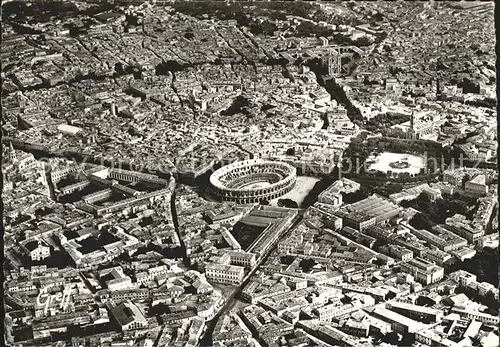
(176, 227)
(231, 301)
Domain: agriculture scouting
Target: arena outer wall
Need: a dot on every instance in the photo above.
(228, 183)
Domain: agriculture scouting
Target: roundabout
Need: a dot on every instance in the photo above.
(251, 181)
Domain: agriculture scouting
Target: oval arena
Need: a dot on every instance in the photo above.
(251, 181)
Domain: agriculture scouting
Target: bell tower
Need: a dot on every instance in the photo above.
(12, 153)
(410, 134)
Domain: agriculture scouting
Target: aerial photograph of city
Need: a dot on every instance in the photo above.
(249, 173)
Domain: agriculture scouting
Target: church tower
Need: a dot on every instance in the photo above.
(410, 134)
(12, 153)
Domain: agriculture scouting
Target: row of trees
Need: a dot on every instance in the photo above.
(431, 148)
(437, 211)
(385, 120)
(338, 92)
(438, 156)
(383, 184)
(238, 10)
(320, 186)
(486, 102)
(489, 300)
(272, 11)
(20, 11)
(421, 221)
(484, 265)
(37, 12)
(388, 183)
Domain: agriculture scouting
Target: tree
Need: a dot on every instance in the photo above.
(405, 204)
(307, 264)
(424, 200)
(407, 340)
(420, 221)
(465, 179)
(484, 265)
(312, 196)
(326, 121)
(287, 203)
(168, 66)
(362, 41)
(491, 302)
(392, 338)
(131, 19)
(290, 151)
(346, 300)
(287, 259)
(239, 105)
(377, 17)
(265, 28)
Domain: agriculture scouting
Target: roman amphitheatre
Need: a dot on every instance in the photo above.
(252, 181)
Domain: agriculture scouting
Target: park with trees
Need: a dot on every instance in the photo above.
(437, 211)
